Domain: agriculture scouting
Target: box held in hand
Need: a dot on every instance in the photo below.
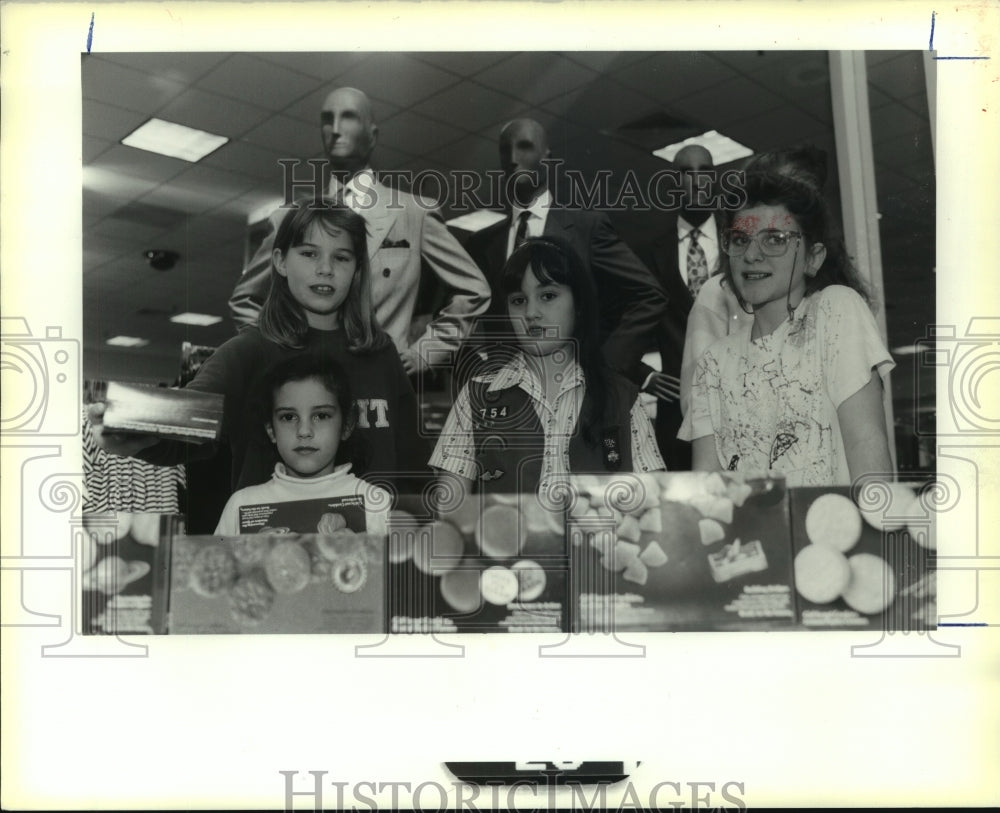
(185, 415)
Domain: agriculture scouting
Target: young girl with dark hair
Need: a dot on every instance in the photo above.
(798, 391)
(310, 418)
(548, 404)
(320, 301)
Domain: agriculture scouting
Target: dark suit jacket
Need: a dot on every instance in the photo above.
(662, 259)
(632, 302)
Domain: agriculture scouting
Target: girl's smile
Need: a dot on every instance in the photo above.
(771, 272)
(319, 272)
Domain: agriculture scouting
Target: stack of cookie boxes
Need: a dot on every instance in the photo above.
(680, 551)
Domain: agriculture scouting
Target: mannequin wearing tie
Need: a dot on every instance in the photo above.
(683, 258)
(632, 302)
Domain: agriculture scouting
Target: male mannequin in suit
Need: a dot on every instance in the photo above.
(669, 257)
(403, 235)
(632, 301)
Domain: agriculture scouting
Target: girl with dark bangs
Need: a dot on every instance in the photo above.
(546, 405)
(319, 301)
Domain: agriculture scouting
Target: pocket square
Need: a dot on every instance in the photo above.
(387, 243)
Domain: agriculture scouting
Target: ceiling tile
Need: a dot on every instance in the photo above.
(398, 78)
(139, 234)
(471, 106)
(97, 204)
(876, 98)
(774, 129)
(188, 201)
(113, 243)
(196, 236)
(217, 183)
(410, 132)
(904, 149)
(918, 104)
(109, 182)
(108, 121)
(473, 153)
(537, 76)
(119, 274)
(672, 75)
(108, 82)
(291, 137)
(95, 255)
(605, 61)
(744, 98)
(900, 77)
(256, 81)
(895, 119)
(239, 156)
(93, 147)
(752, 61)
(326, 66)
(604, 104)
(798, 78)
(243, 205)
(132, 163)
(216, 114)
(184, 67)
(462, 63)
(805, 83)
(877, 57)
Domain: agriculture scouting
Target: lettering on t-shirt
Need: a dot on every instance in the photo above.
(378, 406)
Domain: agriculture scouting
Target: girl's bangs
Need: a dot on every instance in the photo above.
(315, 217)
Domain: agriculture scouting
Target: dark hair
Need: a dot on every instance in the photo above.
(325, 369)
(554, 260)
(794, 177)
(282, 319)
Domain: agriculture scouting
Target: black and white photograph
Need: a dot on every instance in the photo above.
(649, 369)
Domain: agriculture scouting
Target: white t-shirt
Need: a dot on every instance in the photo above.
(716, 313)
(772, 402)
(284, 488)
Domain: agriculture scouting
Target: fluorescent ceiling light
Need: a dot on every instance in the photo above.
(127, 341)
(189, 318)
(477, 220)
(175, 140)
(723, 148)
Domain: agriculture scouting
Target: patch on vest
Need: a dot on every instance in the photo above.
(612, 455)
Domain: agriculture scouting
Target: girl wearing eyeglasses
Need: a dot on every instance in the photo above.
(798, 391)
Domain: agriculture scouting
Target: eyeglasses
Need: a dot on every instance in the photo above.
(771, 242)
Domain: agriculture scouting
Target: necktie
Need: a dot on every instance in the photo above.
(697, 264)
(522, 228)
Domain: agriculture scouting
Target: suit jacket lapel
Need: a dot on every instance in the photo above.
(379, 218)
(494, 248)
(558, 222)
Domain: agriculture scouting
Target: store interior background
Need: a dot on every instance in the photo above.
(443, 111)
